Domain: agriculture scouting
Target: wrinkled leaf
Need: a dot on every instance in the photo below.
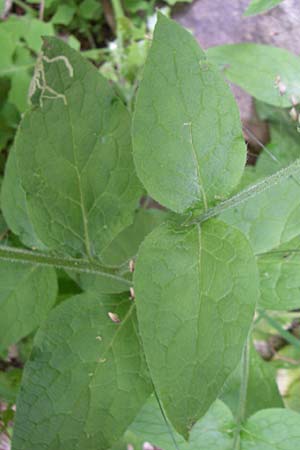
(27, 293)
(261, 70)
(86, 379)
(74, 158)
(193, 288)
(187, 141)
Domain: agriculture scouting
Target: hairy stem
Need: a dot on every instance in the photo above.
(243, 395)
(25, 7)
(249, 192)
(78, 265)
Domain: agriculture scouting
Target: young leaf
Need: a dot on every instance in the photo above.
(74, 156)
(86, 379)
(260, 6)
(193, 287)
(268, 73)
(262, 390)
(27, 293)
(187, 141)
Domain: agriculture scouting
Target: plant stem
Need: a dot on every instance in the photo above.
(250, 192)
(78, 265)
(25, 7)
(243, 394)
(277, 326)
(118, 10)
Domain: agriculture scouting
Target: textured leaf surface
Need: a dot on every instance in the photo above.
(86, 379)
(279, 276)
(193, 288)
(209, 433)
(256, 68)
(187, 140)
(260, 6)
(268, 219)
(27, 293)
(272, 429)
(74, 159)
(262, 390)
(14, 205)
(123, 247)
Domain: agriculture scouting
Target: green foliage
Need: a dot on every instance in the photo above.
(88, 374)
(273, 78)
(260, 6)
(199, 289)
(184, 105)
(146, 299)
(26, 297)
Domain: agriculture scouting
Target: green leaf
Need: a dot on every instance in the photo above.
(193, 288)
(9, 385)
(268, 219)
(74, 157)
(260, 6)
(279, 276)
(262, 390)
(14, 206)
(209, 433)
(86, 379)
(27, 293)
(29, 29)
(64, 14)
(187, 140)
(123, 247)
(272, 429)
(261, 70)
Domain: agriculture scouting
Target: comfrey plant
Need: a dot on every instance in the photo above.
(152, 344)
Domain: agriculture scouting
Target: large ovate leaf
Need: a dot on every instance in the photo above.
(196, 290)
(262, 390)
(86, 379)
(187, 141)
(27, 293)
(268, 73)
(73, 153)
(260, 6)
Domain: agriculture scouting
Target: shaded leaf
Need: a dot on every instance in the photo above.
(27, 293)
(86, 379)
(262, 390)
(261, 70)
